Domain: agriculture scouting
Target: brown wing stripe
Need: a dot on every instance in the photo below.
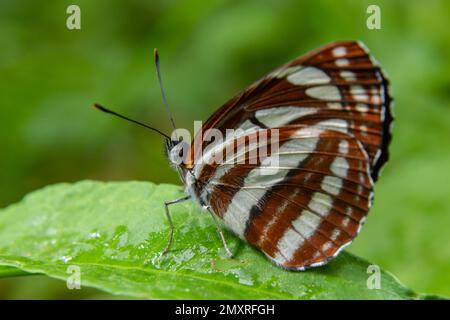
(266, 227)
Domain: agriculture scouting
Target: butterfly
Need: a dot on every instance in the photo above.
(331, 113)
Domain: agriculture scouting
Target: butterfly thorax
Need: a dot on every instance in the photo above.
(178, 153)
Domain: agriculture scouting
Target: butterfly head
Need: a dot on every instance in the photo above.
(176, 151)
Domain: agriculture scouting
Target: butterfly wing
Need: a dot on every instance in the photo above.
(338, 87)
(301, 203)
(331, 109)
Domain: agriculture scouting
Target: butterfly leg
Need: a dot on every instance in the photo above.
(222, 237)
(169, 218)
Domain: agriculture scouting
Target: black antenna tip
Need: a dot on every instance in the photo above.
(99, 107)
(156, 55)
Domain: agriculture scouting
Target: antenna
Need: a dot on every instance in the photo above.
(101, 108)
(158, 73)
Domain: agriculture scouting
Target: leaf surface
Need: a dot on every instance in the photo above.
(114, 233)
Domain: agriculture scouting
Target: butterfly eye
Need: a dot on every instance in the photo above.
(180, 153)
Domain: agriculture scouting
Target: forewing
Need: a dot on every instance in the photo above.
(310, 206)
(337, 87)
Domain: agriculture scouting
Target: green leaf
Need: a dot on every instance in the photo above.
(6, 271)
(114, 232)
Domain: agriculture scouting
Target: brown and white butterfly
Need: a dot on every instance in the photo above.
(331, 112)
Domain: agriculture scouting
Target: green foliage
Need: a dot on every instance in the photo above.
(7, 271)
(115, 231)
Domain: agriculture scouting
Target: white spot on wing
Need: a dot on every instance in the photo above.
(377, 95)
(339, 52)
(343, 147)
(361, 107)
(331, 185)
(308, 76)
(359, 93)
(363, 130)
(327, 246)
(339, 167)
(320, 203)
(345, 222)
(376, 99)
(336, 233)
(334, 106)
(307, 223)
(317, 255)
(288, 244)
(329, 93)
(342, 62)
(289, 156)
(279, 116)
(348, 75)
(334, 124)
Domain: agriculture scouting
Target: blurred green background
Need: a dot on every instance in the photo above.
(210, 50)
